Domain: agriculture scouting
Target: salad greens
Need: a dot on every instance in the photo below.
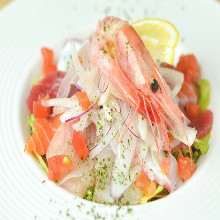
(202, 144)
(89, 193)
(41, 162)
(204, 94)
(30, 121)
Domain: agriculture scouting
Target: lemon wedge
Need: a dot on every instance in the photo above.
(159, 36)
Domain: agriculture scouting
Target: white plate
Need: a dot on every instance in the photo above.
(26, 26)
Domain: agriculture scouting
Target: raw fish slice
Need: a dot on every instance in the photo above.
(61, 142)
(43, 134)
(79, 185)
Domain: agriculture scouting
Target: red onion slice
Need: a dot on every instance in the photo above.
(102, 84)
(123, 109)
(78, 116)
(104, 142)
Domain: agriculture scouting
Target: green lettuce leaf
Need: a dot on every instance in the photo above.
(204, 94)
(89, 193)
(41, 162)
(30, 121)
(196, 154)
(202, 144)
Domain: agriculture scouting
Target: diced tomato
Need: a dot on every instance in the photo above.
(165, 166)
(39, 110)
(203, 124)
(48, 55)
(58, 166)
(188, 93)
(83, 100)
(150, 190)
(186, 167)
(189, 66)
(47, 86)
(48, 69)
(48, 61)
(79, 145)
(193, 110)
(141, 181)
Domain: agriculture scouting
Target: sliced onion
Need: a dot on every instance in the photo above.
(86, 55)
(65, 57)
(125, 110)
(78, 87)
(78, 116)
(120, 180)
(173, 78)
(64, 88)
(82, 124)
(62, 102)
(178, 133)
(104, 142)
(88, 85)
(103, 84)
(58, 110)
(90, 135)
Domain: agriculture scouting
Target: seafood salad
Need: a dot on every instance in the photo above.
(115, 122)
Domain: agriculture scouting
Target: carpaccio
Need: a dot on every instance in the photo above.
(99, 147)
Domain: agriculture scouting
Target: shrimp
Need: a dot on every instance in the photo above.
(119, 53)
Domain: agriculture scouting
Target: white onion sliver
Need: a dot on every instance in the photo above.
(103, 143)
(179, 134)
(173, 78)
(73, 112)
(62, 102)
(88, 85)
(120, 180)
(64, 88)
(65, 57)
(82, 124)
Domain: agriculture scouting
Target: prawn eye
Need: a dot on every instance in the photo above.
(154, 86)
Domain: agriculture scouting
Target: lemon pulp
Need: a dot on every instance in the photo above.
(159, 36)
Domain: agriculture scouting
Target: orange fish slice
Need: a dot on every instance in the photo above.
(43, 134)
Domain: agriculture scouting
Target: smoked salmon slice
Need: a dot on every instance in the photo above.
(43, 134)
